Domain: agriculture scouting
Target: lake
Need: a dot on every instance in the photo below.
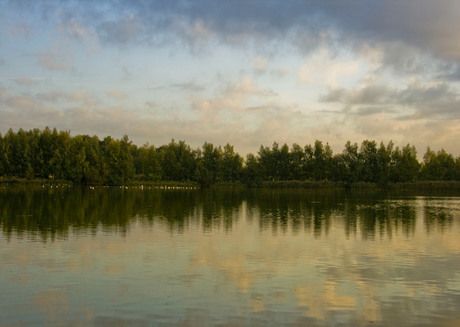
(110, 256)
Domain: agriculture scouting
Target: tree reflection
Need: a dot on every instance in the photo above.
(439, 214)
(47, 213)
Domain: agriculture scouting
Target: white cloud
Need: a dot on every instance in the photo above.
(322, 69)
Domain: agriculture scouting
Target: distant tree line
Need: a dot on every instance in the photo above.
(52, 154)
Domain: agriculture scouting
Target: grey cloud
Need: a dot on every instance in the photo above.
(435, 101)
(372, 94)
(371, 110)
(2, 61)
(426, 25)
(440, 101)
(124, 31)
(449, 72)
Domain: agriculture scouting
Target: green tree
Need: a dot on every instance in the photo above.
(118, 160)
(370, 161)
(252, 173)
(208, 171)
(95, 171)
(322, 161)
(231, 164)
(404, 164)
(147, 163)
(349, 163)
(438, 166)
(297, 162)
(178, 161)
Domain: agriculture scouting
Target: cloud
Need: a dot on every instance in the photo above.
(187, 87)
(322, 70)
(3, 93)
(52, 96)
(423, 24)
(75, 29)
(20, 102)
(117, 94)
(408, 32)
(83, 98)
(426, 25)
(55, 60)
(259, 64)
(426, 100)
(25, 81)
(123, 31)
(370, 94)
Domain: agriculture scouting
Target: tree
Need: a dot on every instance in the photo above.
(178, 161)
(231, 164)
(322, 161)
(252, 173)
(404, 164)
(267, 162)
(438, 166)
(208, 171)
(370, 162)
(348, 163)
(147, 163)
(297, 163)
(118, 160)
(94, 169)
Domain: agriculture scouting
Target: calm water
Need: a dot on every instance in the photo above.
(117, 257)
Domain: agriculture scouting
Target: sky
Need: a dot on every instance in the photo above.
(244, 72)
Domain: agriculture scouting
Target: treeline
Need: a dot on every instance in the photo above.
(52, 154)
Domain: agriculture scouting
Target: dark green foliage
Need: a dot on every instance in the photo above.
(147, 163)
(439, 166)
(178, 162)
(83, 159)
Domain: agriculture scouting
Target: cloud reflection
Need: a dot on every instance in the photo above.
(304, 257)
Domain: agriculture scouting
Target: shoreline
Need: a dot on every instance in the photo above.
(419, 186)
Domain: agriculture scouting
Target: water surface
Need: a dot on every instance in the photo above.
(149, 257)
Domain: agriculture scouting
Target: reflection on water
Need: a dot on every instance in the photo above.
(49, 213)
(111, 256)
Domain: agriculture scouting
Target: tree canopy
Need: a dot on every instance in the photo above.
(84, 159)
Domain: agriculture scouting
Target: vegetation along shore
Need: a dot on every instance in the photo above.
(51, 155)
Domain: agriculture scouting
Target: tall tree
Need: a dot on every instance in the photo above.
(231, 164)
